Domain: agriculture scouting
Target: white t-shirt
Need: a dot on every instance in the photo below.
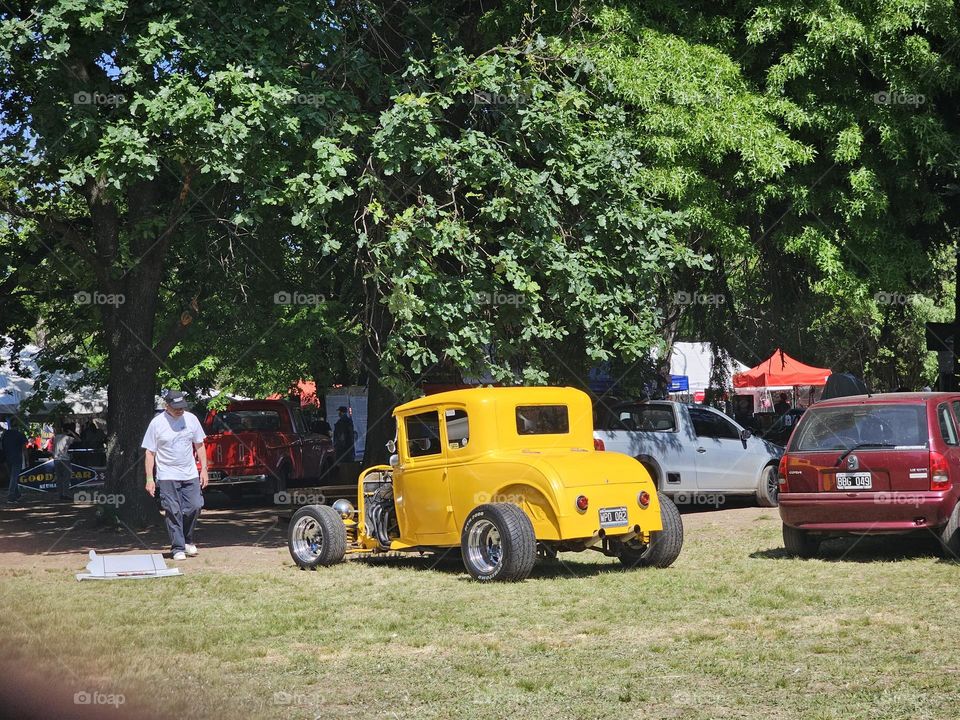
(61, 446)
(172, 440)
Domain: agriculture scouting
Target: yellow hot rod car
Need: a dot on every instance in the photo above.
(503, 473)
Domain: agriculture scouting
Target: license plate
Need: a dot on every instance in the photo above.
(854, 481)
(613, 517)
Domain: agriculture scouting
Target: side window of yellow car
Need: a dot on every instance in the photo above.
(458, 428)
(423, 434)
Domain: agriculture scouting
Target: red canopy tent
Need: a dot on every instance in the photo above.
(781, 370)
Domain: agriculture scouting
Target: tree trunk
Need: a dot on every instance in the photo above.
(380, 398)
(131, 398)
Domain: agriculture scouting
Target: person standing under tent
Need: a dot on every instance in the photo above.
(13, 443)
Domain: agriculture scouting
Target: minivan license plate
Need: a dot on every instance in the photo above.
(854, 481)
(613, 517)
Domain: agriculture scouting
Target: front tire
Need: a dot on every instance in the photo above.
(317, 537)
(498, 543)
(664, 546)
(768, 491)
(800, 543)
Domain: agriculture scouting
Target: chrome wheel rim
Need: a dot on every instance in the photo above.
(307, 539)
(484, 547)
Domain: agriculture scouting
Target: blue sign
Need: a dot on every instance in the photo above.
(679, 383)
(42, 477)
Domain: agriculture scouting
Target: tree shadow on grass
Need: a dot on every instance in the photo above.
(42, 526)
(867, 549)
(449, 562)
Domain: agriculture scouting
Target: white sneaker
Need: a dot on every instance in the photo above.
(191, 550)
(179, 556)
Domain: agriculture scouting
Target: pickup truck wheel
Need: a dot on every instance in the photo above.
(664, 546)
(800, 543)
(317, 537)
(652, 471)
(277, 485)
(498, 543)
(769, 487)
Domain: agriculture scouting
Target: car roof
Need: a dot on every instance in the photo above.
(892, 398)
(539, 393)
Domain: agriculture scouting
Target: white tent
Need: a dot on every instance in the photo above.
(15, 388)
(695, 360)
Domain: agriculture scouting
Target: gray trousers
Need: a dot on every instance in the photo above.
(182, 500)
(63, 472)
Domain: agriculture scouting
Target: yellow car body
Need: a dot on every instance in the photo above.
(459, 452)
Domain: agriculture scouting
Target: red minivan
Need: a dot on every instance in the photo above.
(872, 464)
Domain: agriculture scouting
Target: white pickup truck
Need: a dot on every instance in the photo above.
(691, 450)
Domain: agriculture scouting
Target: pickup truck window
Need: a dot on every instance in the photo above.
(423, 434)
(649, 418)
(710, 424)
(542, 420)
(244, 420)
(458, 428)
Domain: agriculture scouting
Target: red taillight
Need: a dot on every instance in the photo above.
(939, 472)
(643, 498)
(598, 444)
(582, 503)
(782, 474)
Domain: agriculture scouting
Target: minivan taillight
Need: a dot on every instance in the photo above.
(939, 471)
(598, 444)
(782, 473)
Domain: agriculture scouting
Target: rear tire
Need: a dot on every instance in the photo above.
(317, 537)
(664, 546)
(768, 490)
(800, 543)
(950, 536)
(498, 543)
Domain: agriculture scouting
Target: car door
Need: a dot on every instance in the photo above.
(423, 501)
(660, 434)
(723, 463)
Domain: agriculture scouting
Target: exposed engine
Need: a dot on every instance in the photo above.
(380, 514)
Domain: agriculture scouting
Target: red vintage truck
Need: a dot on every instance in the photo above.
(267, 446)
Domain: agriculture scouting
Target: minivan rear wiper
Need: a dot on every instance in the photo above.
(858, 446)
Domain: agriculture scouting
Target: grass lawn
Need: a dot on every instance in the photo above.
(733, 630)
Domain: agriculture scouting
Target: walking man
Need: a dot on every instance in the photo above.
(62, 466)
(13, 443)
(343, 436)
(170, 442)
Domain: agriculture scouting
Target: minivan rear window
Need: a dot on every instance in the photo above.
(841, 428)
